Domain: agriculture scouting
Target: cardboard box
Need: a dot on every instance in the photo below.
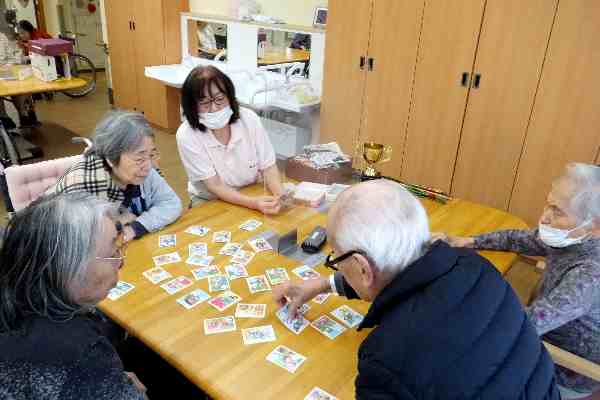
(301, 169)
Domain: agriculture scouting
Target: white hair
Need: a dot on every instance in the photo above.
(384, 221)
(585, 202)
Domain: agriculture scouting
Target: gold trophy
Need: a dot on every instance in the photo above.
(374, 153)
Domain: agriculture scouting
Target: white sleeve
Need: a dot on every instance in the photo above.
(195, 159)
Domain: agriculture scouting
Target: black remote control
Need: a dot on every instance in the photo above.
(314, 241)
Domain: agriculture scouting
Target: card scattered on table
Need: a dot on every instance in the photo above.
(259, 334)
(305, 272)
(348, 316)
(321, 298)
(296, 325)
(222, 237)
(200, 261)
(217, 283)
(259, 244)
(319, 394)
(164, 259)
(120, 289)
(193, 298)
(244, 310)
(224, 300)
(205, 272)
(177, 284)
(156, 274)
(328, 327)
(198, 249)
(197, 230)
(219, 325)
(277, 275)
(286, 358)
(250, 225)
(236, 271)
(167, 240)
(242, 257)
(258, 283)
(230, 249)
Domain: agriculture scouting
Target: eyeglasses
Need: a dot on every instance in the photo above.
(331, 262)
(140, 160)
(218, 100)
(119, 254)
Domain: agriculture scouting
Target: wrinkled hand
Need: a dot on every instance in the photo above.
(268, 204)
(297, 293)
(128, 233)
(454, 241)
(136, 382)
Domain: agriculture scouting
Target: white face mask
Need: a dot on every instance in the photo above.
(555, 237)
(216, 120)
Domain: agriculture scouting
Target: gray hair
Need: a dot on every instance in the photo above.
(119, 132)
(585, 202)
(47, 247)
(383, 220)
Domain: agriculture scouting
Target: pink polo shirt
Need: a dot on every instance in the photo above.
(248, 153)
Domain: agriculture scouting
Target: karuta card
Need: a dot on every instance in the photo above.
(236, 271)
(259, 244)
(205, 272)
(222, 237)
(218, 283)
(192, 299)
(295, 325)
(244, 310)
(177, 284)
(156, 274)
(348, 316)
(286, 358)
(164, 259)
(198, 249)
(259, 334)
(305, 272)
(224, 300)
(319, 394)
(258, 283)
(328, 327)
(167, 240)
(321, 298)
(219, 325)
(197, 230)
(304, 308)
(250, 225)
(200, 261)
(230, 249)
(277, 275)
(242, 257)
(120, 289)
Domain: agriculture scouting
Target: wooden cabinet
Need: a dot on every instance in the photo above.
(143, 33)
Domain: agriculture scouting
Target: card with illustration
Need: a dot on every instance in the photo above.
(167, 240)
(259, 244)
(259, 334)
(242, 257)
(295, 325)
(328, 327)
(193, 298)
(198, 249)
(199, 261)
(348, 316)
(217, 283)
(224, 300)
(250, 225)
(205, 272)
(277, 275)
(319, 394)
(258, 283)
(177, 284)
(197, 230)
(286, 358)
(245, 310)
(230, 249)
(222, 237)
(219, 325)
(156, 274)
(305, 272)
(164, 259)
(120, 289)
(236, 271)
(321, 298)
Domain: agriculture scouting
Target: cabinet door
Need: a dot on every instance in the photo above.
(565, 120)
(393, 46)
(344, 79)
(511, 51)
(121, 52)
(446, 51)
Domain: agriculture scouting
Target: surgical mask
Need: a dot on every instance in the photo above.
(216, 120)
(555, 237)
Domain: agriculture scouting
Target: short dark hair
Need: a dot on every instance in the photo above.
(193, 91)
(26, 26)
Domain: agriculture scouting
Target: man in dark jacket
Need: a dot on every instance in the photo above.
(447, 325)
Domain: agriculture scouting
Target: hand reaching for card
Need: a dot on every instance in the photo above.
(297, 293)
(454, 241)
(268, 204)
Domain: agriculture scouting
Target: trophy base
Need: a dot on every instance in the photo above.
(364, 177)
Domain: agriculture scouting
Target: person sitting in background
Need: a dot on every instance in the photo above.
(446, 324)
(301, 41)
(60, 257)
(224, 147)
(119, 168)
(566, 309)
(27, 32)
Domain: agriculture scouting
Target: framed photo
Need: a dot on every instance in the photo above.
(320, 19)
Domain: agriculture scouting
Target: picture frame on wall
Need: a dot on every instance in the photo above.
(320, 18)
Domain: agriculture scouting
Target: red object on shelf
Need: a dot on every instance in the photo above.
(91, 8)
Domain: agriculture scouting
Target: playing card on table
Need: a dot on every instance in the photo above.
(259, 244)
(197, 230)
(219, 325)
(259, 334)
(120, 289)
(295, 325)
(177, 284)
(198, 249)
(169, 258)
(200, 261)
(222, 237)
(250, 225)
(305, 272)
(167, 240)
(303, 309)
(321, 298)
(258, 283)
(218, 283)
(235, 271)
(244, 310)
(319, 394)
(242, 257)
(224, 300)
(286, 358)
(277, 275)
(156, 274)
(328, 327)
(230, 249)
(348, 316)
(192, 299)
(205, 272)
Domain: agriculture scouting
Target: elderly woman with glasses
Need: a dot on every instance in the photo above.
(60, 257)
(119, 167)
(224, 147)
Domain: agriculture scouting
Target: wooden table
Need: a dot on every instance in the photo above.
(221, 364)
(288, 56)
(34, 85)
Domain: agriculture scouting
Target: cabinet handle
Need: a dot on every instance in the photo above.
(133, 25)
(464, 80)
(130, 27)
(371, 63)
(362, 62)
(476, 81)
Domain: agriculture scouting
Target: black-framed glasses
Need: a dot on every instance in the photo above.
(218, 100)
(331, 262)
